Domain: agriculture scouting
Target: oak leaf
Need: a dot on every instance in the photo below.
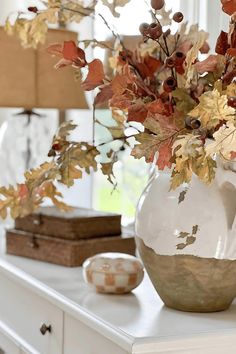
(224, 141)
(95, 75)
(222, 43)
(114, 4)
(104, 95)
(229, 6)
(184, 102)
(207, 65)
(191, 57)
(137, 112)
(119, 84)
(73, 53)
(212, 109)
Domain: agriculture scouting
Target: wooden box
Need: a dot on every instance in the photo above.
(78, 224)
(70, 253)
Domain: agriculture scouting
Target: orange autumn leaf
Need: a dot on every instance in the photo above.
(137, 112)
(95, 75)
(222, 43)
(207, 65)
(119, 84)
(165, 154)
(231, 52)
(104, 95)
(71, 52)
(149, 66)
(229, 6)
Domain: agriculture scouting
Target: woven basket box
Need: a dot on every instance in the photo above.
(70, 253)
(80, 223)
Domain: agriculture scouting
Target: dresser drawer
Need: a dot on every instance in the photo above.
(25, 312)
(80, 339)
(7, 346)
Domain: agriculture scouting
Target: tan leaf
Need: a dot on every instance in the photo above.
(114, 4)
(212, 109)
(184, 102)
(224, 141)
(107, 170)
(190, 69)
(65, 129)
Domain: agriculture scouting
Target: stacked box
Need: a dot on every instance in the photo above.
(68, 238)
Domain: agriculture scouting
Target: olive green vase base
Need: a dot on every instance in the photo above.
(190, 283)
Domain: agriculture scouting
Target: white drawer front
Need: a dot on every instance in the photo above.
(7, 346)
(80, 339)
(25, 312)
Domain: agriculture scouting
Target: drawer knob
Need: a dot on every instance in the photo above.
(44, 329)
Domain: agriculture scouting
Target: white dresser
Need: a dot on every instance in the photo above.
(75, 320)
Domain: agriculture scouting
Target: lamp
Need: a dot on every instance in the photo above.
(28, 80)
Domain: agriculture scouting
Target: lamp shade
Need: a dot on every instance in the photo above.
(28, 78)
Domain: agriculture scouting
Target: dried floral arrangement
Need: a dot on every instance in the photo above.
(181, 110)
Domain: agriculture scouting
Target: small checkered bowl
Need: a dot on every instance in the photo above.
(113, 273)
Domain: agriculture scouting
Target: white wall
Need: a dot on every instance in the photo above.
(208, 14)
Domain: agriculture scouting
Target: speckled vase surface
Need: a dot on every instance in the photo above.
(189, 248)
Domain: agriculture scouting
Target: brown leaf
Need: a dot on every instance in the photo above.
(229, 6)
(149, 66)
(231, 52)
(119, 84)
(104, 95)
(165, 154)
(95, 75)
(222, 43)
(74, 54)
(158, 107)
(107, 170)
(137, 112)
(207, 65)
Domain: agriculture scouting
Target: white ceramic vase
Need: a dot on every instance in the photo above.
(202, 276)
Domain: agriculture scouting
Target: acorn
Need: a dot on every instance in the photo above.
(232, 101)
(144, 29)
(178, 17)
(33, 9)
(192, 123)
(169, 84)
(155, 30)
(157, 4)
